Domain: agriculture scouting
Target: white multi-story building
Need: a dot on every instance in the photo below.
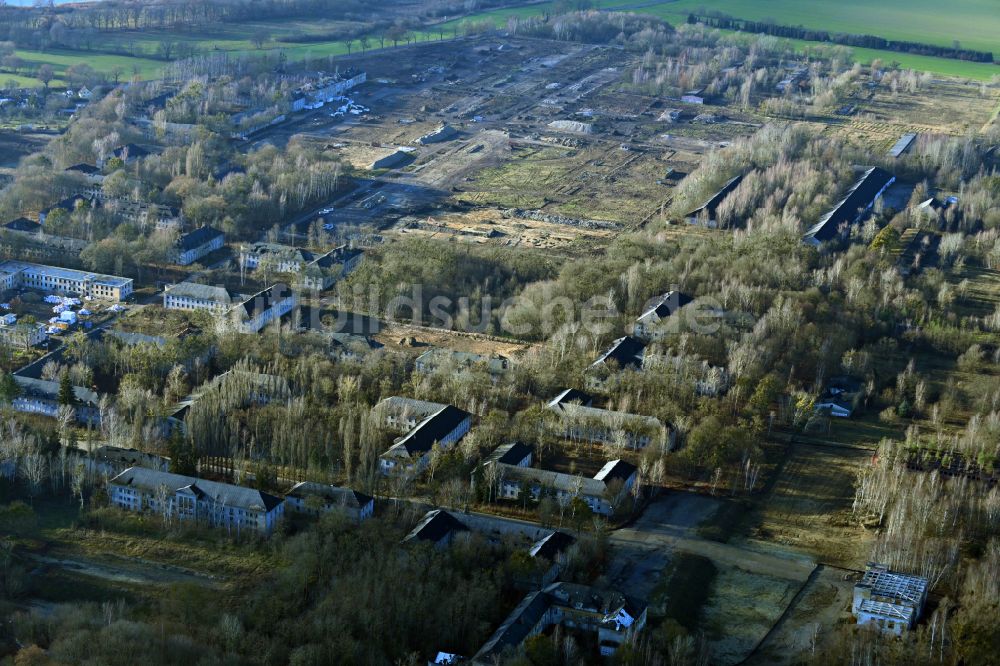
(312, 499)
(281, 258)
(597, 492)
(262, 308)
(22, 334)
(41, 396)
(400, 413)
(65, 280)
(194, 245)
(186, 498)
(411, 454)
(194, 296)
(323, 271)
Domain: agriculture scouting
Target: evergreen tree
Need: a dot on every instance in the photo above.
(9, 389)
(66, 395)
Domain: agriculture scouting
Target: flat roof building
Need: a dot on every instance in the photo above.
(890, 600)
(66, 280)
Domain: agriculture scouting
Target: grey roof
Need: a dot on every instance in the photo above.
(197, 238)
(432, 429)
(400, 405)
(200, 291)
(550, 545)
(571, 396)
(264, 300)
(664, 306)
(847, 210)
(84, 168)
(438, 357)
(45, 389)
(626, 351)
(615, 469)
(332, 494)
(435, 526)
(518, 626)
(510, 454)
(567, 483)
(716, 199)
(23, 224)
(237, 496)
(70, 203)
(608, 417)
(903, 144)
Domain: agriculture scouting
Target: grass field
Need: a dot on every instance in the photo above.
(974, 23)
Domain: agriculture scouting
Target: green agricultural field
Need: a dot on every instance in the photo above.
(974, 23)
(61, 59)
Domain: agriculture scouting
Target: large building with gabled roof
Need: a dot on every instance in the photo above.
(705, 214)
(613, 616)
(190, 499)
(647, 326)
(264, 307)
(411, 453)
(852, 208)
(194, 245)
(312, 499)
(602, 493)
(194, 296)
(437, 527)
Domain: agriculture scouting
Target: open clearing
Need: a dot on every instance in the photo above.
(809, 507)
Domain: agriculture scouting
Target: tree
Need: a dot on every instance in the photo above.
(45, 75)
(9, 388)
(66, 394)
(260, 37)
(34, 467)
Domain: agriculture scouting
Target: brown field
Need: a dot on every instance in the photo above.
(809, 508)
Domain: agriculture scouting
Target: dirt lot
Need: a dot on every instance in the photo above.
(392, 334)
(809, 507)
(743, 608)
(824, 601)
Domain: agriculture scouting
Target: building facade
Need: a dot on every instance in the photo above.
(189, 499)
(194, 296)
(41, 396)
(253, 314)
(411, 454)
(194, 245)
(313, 499)
(889, 600)
(323, 272)
(65, 280)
